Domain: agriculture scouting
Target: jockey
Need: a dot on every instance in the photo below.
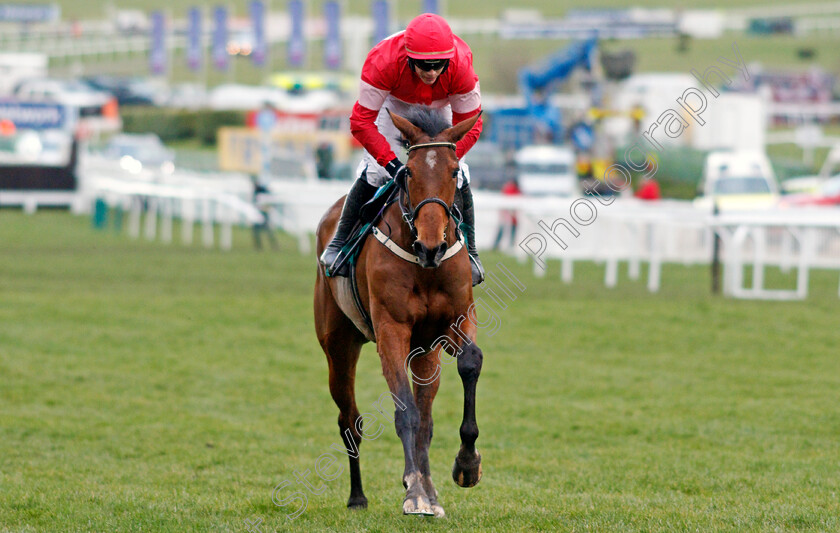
(424, 65)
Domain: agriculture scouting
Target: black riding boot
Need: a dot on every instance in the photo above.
(359, 193)
(469, 229)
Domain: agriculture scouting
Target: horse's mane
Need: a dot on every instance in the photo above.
(431, 121)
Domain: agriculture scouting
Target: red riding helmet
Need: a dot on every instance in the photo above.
(429, 37)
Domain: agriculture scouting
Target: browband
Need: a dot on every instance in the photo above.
(432, 145)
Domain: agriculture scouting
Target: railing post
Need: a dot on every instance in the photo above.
(207, 221)
(716, 255)
(151, 219)
(187, 220)
(166, 222)
(134, 217)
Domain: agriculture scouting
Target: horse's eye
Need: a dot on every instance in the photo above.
(455, 173)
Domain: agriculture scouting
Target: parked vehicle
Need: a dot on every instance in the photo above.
(737, 180)
(131, 22)
(97, 110)
(18, 66)
(129, 91)
(489, 167)
(187, 96)
(547, 170)
(38, 161)
(826, 194)
(135, 151)
(243, 97)
(801, 185)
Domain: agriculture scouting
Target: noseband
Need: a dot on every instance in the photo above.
(408, 213)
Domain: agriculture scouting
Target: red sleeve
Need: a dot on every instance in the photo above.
(465, 98)
(363, 128)
(468, 141)
(379, 74)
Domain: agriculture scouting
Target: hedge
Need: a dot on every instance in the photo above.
(178, 124)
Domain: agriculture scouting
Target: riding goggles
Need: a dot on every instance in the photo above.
(430, 64)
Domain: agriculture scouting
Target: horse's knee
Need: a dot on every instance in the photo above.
(469, 362)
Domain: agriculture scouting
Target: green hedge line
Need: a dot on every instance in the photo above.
(176, 124)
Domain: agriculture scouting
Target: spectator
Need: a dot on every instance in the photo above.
(264, 208)
(649, 190)
(507, 218)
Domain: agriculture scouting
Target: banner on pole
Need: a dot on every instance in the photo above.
(430, 6)
(195, 54)
(157, 48)
(220, 37)
(332, 39)
(381, 20)
(260, 53)
(297, 41)
(30, 13)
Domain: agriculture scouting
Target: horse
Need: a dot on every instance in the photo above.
(408, 307)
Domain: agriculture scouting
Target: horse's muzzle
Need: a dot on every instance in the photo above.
(430, 257)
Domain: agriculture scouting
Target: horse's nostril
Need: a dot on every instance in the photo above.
(440, 251)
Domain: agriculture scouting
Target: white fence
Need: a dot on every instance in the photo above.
(551, 230)
(627, 231)
(149, 198)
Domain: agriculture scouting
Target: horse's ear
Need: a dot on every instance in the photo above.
(456, 132)
(409, 130)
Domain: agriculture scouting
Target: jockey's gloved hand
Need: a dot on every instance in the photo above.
(394, 167)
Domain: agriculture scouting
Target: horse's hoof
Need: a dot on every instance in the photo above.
(418, 505)
(438, 511)
(467, 471)
(357, 504)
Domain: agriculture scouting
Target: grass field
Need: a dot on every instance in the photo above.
(146, 387)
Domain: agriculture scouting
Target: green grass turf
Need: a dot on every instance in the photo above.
(146, 387)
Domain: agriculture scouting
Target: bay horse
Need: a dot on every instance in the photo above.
(407, 306)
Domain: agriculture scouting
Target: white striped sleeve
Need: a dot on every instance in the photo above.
(464, 103)
(371, 97)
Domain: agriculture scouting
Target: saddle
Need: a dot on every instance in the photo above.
(369, 215)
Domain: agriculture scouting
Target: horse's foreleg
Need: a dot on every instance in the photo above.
(394, 347)
(425, 390)
(467, 469)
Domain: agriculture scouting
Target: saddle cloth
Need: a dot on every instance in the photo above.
(346, 288)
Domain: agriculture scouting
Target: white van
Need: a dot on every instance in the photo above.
(18, 66)
(738, 180)
(547, 170)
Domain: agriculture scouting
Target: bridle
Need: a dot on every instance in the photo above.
(409, 214)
